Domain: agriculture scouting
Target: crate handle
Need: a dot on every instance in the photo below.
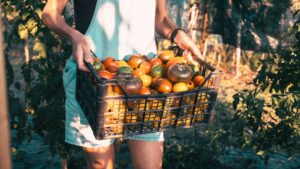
(90, 67)
(199, 60)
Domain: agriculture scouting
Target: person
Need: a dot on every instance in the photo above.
(111, 28)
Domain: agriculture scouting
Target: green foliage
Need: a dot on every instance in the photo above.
(269, 124)
(266, 120)
(43, 111)
(191, 152)
(263, 124)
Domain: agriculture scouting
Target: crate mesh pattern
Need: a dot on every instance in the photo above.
(125, 115)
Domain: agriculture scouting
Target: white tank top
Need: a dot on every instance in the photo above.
(120, 28)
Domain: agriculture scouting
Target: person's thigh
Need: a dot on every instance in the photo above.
(146, 154)
(100, 157)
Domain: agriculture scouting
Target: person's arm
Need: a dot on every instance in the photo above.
(51, 16)
(164, 26)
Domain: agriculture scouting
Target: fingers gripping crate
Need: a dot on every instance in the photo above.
(116, 116)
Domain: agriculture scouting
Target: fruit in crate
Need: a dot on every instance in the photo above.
(198, 80)
(180, 87)
(145, 91)
(117, 90)
(146, 79)
(177, 59)
(111, 65)
(97, 65)
(122, 63)
(105, 74)
(164, 74)
(131, 118)
(157, 71)
(139, 72)
(124, 69)
(195, 67)
(166, 55)
(190, 85)
(164, 86)
(180, 72)
(135, 60)
(132, 85)
(146, 66)
(156, 61)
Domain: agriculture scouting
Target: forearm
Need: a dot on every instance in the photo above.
(164, 26)
(51, 16)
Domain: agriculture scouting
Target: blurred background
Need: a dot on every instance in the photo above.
(255, 43)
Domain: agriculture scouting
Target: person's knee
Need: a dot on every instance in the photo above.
(98, 163)
(146, 155)
(100, 158)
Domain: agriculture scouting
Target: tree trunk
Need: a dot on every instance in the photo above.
(64, 163)
(194, 21)
(26, 51)
(238, 51)
(203, 44)
(5, 161)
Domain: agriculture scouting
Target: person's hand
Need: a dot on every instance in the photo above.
(184, 41)
(81, 50)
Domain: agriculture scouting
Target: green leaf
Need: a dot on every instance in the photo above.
(261, 153)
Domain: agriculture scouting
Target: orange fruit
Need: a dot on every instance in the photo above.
(166, 55)
(105, 74)
(180, 87)
(190, 85)
(146, 79)
(164, 86)
(198, 80)
(138, 72)
(156, 61)
(145, 91)
(117, 89)
(135, 60)
(177, 59)
(107, 61)
(146, 66)
(155, 81)
(110, 91)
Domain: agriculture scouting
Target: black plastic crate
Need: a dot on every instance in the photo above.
(125, 115)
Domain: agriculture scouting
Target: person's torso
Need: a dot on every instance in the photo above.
(117, 27)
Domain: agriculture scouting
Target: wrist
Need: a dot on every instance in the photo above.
(73, 34)
(174, 35)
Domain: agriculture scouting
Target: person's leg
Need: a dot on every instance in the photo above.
(146, 154)
(100, 157)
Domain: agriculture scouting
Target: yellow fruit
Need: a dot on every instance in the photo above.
(146, 79)
(117, 129)
(131, 118)
(138, 72)
(180, 87)
(122, 63)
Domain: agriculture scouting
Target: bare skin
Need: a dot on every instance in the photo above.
(80, 45)
(145, 155)
(100, 158)
(165, 27)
